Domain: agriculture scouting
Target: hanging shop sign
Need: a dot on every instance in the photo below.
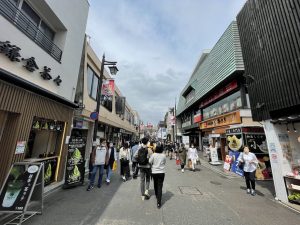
(20, 149)
(218, 94)
(75, 167)
(108, 88)
(197, 118)
(228, 119)
(13, 53)
(19, 186)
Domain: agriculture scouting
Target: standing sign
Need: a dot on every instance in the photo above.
(214, 155)
(186, 141)
(23, 184)
(75, 161)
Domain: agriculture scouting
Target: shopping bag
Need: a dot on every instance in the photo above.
(178, 161)
(190, 164)
(114, 166)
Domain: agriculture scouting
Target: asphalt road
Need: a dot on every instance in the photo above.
(204, 197)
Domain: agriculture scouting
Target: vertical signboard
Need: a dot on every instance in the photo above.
(75, 167)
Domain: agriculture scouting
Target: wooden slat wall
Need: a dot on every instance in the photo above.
(270, 39)
(22, 106)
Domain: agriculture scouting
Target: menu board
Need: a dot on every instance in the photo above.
(75, 161)
(18, 187)
(49, 170)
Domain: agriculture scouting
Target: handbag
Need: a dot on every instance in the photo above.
(190, 164)
(178, 161)
(241, 165)
(114, 168)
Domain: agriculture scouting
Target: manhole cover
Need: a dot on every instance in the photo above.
(215, 182)
(189, 190)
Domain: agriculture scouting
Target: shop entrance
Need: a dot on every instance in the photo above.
(44, 145)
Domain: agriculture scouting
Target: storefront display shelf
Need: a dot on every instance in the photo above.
(294, 178)
(39, 159)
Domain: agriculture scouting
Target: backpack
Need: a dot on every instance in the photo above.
(142, 158)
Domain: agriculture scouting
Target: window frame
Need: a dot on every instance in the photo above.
(90, 89)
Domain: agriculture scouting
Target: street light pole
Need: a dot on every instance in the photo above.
(113, 71)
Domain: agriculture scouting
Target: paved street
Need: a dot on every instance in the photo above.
(203, 197)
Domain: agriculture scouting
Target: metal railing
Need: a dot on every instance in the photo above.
(24, 24)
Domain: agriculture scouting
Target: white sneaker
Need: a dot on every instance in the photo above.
(248, 191)
(143, 198)
(124, 179)
(182, 170)
(147, 192)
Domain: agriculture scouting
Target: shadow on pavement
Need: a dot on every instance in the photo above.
(167, 196)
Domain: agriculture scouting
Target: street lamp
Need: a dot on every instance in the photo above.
(113, 70)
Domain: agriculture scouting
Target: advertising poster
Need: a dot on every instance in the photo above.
(75, 161)
(214, 155)
(234, 165)
(20, 149)
(258, 145)
(49, 170)
(18, 187)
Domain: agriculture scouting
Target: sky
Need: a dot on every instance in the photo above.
(157, 44)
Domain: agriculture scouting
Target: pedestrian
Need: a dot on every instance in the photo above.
(250, 163)
(98, 162)
(111, 157)
(152, 146)
(193, 156)
(158, 162)
(171, 150)
(124, 161)
(182, 156)
(142, 156)
(135, 168)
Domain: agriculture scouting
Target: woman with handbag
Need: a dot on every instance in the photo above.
(249, 162)
(124, 161)
(193, 156)
(182, 156)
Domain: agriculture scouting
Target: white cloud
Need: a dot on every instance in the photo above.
(156, 44)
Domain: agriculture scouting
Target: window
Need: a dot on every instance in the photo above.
(190, 96)
(92, 82)
(47, 30)
(31, 14)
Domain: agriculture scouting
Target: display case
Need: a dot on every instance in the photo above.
(292, 185)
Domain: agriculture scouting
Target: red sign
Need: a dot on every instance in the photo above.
(108, 88)
(218, 94)
(197, 118)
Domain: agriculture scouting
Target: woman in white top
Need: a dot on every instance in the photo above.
(158, 162)
(193, 156)
(250, 163)
(124, 161)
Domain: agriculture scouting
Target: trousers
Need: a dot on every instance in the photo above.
(158, 179)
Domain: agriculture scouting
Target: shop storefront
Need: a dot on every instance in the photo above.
(33, 128)
(284, 148)
(214, 130)
(255, 139)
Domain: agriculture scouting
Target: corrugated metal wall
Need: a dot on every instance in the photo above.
(224, 60)
(22, 106)
(270, 39)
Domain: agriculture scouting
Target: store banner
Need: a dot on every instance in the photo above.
(75, 168)
(18, 187)
(108, 88)
(234, 162)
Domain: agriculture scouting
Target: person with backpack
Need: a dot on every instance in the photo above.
(124, 161)
(158, 162)
(142, 156)
(135, 168)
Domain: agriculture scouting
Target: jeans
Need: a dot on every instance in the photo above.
(250, 179)
(93, 174)
(145, 175)
(158, 179)
(108, 172)
(135, 169)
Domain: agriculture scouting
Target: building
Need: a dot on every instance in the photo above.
(116, 121)
(270, 43)
(215, 98)
(40, 53)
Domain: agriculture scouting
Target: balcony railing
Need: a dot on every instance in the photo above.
(24, 24)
